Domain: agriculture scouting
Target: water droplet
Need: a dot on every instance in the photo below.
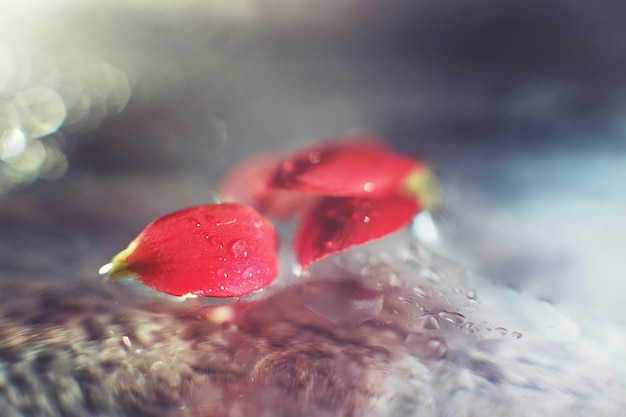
(368, 187)
(419, 292)
(471, 295)
(407, 299)
(225, 222)
(359, 216)
(501, 331)
(248, 273)
(454, 318)
(195, 222)
(104, 269)
(222, 273)
(429, 322)
(516, 335)
(217, 243)
(345, 303)
(330, 245)
(239, 248)
(425, 348)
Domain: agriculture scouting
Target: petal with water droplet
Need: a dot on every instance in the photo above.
(218, 250)
(338, 223)
(355, 168)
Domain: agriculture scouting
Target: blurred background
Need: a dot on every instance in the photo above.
(114, 112)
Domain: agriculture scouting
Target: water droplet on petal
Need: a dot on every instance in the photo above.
(516, 335)
(216, 243)
(425, 348)
(501, 331)
(330, 245)
(225, 222)
(239, 248)
(248, 273)
(368, 187)
(222, 273)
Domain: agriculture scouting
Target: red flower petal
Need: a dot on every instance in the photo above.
(219, 250)
(338, 223)
(248, 183)
(348, 169)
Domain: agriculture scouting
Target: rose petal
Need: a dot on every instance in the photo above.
(348, 169)
(338, 223)
(219, 250)
(248, 183)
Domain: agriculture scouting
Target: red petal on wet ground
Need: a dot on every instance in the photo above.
(338, 223)
(356, 168)
(219, 250)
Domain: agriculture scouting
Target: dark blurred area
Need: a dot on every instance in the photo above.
(436, 78)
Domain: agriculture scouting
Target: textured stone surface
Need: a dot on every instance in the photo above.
(85, 349)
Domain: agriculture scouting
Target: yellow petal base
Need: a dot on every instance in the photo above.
(118, 269)
(421, 184)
